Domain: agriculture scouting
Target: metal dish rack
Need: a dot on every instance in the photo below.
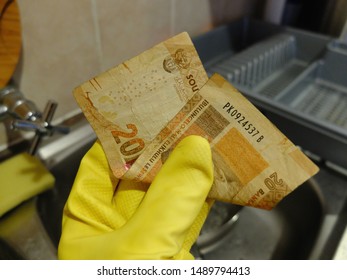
(297, 78)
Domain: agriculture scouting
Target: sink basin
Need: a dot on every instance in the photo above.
(289, 231)
(32, 230)
(231, 232)
(50, 204)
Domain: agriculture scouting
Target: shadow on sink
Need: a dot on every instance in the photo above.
(7, 252)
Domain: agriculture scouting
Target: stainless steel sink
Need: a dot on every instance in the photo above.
(50, 204)
(289, 231)
(32, 230)
(292, 230)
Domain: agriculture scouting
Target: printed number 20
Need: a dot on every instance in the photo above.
(272, 181)
(132, 146)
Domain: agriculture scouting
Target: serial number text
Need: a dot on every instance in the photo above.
(243, 122)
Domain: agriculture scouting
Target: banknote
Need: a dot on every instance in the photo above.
(128, 105)
(143, 107)
(255, 164)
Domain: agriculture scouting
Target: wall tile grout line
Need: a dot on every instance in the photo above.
(172, 17)
(94, 12)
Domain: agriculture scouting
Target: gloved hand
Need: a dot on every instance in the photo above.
(136, 221)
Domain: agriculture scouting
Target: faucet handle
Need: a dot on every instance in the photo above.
(42, 126)
(49, 111)
(47, 117)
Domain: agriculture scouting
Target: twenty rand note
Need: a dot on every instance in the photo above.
(131, 105)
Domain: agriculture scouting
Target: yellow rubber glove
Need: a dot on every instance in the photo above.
(136, 221)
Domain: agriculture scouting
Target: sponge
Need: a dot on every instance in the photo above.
(22, 177)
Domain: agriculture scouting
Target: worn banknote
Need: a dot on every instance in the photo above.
(254, 163)
(128, 105)
(142, 108)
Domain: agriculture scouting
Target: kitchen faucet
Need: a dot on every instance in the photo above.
(27, 117)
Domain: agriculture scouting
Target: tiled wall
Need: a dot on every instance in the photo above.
(67, 42)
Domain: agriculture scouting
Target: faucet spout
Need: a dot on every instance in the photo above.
(27, 117)
(14, 104)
